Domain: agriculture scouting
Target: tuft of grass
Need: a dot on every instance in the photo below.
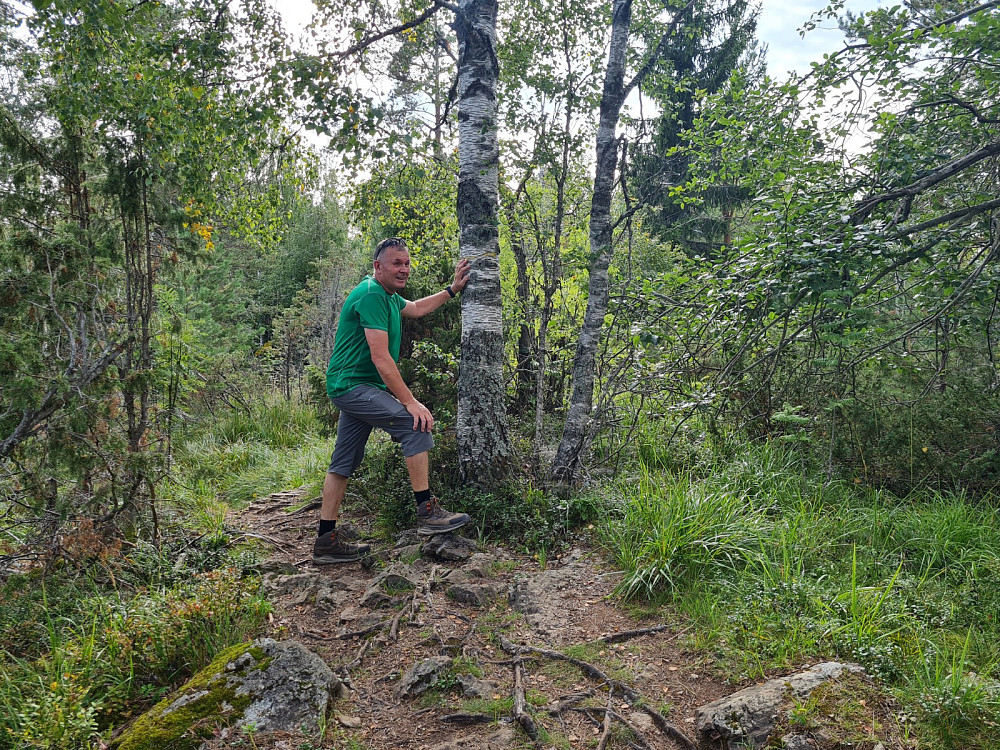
(664, 535)
(774, 566)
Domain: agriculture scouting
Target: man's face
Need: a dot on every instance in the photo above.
(392, 268)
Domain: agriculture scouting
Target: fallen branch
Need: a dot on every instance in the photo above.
(628, 635)
(519, 710)
(412, 608)
(616, 686)
(609, 712)
(468, 719)
(602, 743)
(586, 667)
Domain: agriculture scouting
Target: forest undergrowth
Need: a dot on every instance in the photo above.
(765, 562)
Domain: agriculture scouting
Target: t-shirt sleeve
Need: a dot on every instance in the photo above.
(400, 302)
(373, 312)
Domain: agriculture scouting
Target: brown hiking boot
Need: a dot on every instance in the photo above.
(331, 548)
(433, 519)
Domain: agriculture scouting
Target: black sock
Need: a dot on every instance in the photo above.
(325, 526)
(422, 496)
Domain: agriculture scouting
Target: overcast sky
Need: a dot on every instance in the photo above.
(778, 27)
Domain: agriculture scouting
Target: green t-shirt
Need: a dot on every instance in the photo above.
(368, 306)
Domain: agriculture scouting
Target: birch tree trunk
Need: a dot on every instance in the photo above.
(483, 441)
(575, 430)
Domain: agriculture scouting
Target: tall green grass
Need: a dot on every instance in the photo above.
(277, 445)
(776, 565)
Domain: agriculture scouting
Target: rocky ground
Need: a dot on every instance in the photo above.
(447, 646)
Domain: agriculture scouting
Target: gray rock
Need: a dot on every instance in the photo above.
(407, 552)
(278, 568)
(374, 598)
(408, 537)
(350, 722)
(796, 742)
(272, 686)
(502, 739)
(301, 586)
(480, 565)
(397, 577)
(331, 599)
(474, 594)
(449, 547)
(642, 721)
(420, 677)
(747, 718)
(548, 599)
(473, 687)
(456, 576)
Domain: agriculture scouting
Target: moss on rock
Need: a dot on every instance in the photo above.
(187, 717)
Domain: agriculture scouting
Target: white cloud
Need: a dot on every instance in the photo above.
(779, 25)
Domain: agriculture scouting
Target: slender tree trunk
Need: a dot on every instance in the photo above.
(483, 441)
(574, 436)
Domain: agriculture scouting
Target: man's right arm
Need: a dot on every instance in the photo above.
(378, 342)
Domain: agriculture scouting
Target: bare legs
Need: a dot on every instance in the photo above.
(335, 485)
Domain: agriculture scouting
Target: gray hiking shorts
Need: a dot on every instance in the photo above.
(363, 408)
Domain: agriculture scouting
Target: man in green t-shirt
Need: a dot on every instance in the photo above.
(364, 382)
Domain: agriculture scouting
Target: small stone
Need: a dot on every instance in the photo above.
(420, 677)
(642, 721)
(374, 598)
(473, 687)
(449, 547)
(350, 722)
(795, 742)
(474, 594)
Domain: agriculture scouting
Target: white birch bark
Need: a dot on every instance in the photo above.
(483, 441)
(574, 436)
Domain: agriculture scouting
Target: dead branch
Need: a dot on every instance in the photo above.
(519, 711)
(602, 743)
(628, 635)
(568, 701)
(616, 687)
(586, 667)
(468, 719)
(609, 712)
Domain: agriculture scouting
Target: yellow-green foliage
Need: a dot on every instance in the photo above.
(188, 726)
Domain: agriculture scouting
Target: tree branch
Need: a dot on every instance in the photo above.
(936, 176)
(640, 76)
(367, 42)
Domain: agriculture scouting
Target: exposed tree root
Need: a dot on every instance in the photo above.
(631, 695)
(567, 701)
(586, 667)
(468, 719)
(609, 714)
(602, 743)
(629, 635)
(520, 710)
(362, 633)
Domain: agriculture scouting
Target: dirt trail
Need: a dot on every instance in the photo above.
(373, 621)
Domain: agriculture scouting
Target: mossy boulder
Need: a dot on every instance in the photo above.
(266, 685)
